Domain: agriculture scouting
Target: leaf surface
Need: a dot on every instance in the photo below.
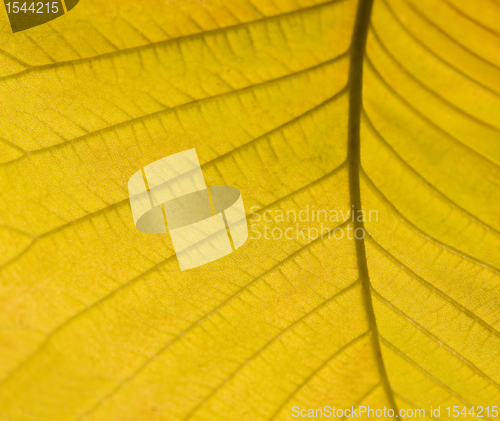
(391, 109)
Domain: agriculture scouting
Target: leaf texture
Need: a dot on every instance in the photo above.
(391, 107)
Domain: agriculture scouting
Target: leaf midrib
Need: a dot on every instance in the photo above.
(358, 48)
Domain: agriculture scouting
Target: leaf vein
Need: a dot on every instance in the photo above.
(440, 292)
(215, 310)
(427, 183)
(425, 331)
(423, 234)
(268, 344)
(425, 118)
(132, 120)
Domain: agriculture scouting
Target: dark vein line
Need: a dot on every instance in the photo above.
(156, 267)
(366, 395)
(134, 29)
(39, 48)
(20, 253)
(405, 357)
(19, 231)
(422, 233)
(268, 344)
(358, 52)
(435, 189)
(315, 372)
(429, 89)
(46, 340)
(14, 58)
(140, 48)
(104, 37)
(432, 287)
(212, 161)
(13, 145)
(181, 335)
(471, 19)
(447, 63)
(65, 41)
(425, 18)
(423, 117)
(428, 333)
(176, 108)
(401, 397)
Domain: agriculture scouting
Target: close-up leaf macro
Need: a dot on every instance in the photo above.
(364, 138)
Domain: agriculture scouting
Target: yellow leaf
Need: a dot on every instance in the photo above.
(366, 135)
